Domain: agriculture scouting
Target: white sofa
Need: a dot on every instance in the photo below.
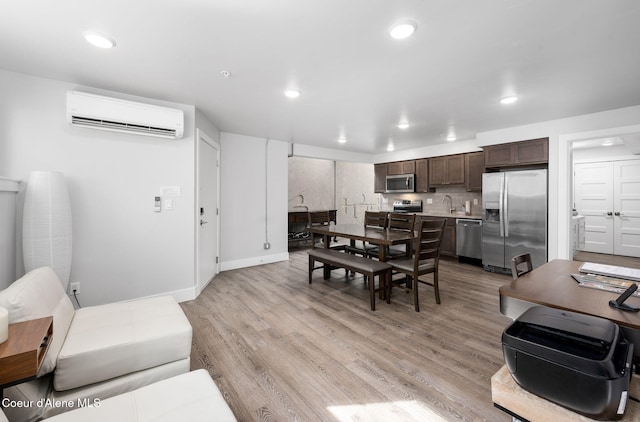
(187, 397)
(96, 352)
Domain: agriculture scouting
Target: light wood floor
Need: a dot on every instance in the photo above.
(280, 349)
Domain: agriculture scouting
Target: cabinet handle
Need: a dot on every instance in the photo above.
(618, 213)
(609, 213)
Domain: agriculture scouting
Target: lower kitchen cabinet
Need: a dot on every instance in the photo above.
(448, 245)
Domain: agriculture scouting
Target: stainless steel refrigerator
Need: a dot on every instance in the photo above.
(514, 207)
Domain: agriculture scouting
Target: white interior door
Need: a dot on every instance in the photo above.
(626, 207)
(208, 223)
(594, 200)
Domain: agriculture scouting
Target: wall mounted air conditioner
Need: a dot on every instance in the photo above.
(99, 112)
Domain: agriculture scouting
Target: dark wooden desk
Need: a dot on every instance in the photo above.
(376, 236)
(552, 285)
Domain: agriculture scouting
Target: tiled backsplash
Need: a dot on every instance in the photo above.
(458, 198)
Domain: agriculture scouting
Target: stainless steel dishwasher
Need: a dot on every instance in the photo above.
(469, 238)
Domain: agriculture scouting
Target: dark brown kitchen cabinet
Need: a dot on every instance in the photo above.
(380, 177)
(422, 176)
(535, 151)
(447, 170)
(448, 244)
(474, 167)
(401, 167)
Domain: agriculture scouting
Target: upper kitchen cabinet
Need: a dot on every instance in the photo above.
(422, 176)
(380, 177)
(535, 151)
(474, 167)
(447, 170)
(401, 167)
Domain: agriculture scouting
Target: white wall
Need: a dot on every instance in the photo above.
(611, 153)
(121, 248)
(252, 173)
(458, 147)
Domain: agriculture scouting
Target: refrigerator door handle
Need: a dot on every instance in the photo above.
(501, 207)
(506, 206)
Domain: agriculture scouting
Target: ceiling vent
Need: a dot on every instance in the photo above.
(99, 112)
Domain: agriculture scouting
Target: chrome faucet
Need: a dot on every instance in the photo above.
(451, 209)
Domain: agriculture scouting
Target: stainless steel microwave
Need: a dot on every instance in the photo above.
(400, 183)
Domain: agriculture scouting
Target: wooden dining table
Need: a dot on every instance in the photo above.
(374, 235)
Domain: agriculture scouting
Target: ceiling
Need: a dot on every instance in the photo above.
(562, 58)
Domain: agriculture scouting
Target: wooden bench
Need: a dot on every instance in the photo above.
(358, 264)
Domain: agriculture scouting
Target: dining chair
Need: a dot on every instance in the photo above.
(322, 218)
(375, 219)
(521, 264)
(398, 222)
(425, 260)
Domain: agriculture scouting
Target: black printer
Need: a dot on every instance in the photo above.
(577, 361)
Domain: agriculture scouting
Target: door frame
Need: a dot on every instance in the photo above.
(202, 136)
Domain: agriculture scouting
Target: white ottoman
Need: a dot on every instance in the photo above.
(188, 397)
(105, 342)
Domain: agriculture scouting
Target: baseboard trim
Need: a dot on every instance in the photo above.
(183, 295)
(251, 262)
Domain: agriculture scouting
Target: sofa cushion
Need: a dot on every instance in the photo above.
(111, 340)
(188, 397)
(39, 294)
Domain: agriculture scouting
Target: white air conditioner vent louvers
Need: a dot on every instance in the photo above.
(124, 127)
(99, 112)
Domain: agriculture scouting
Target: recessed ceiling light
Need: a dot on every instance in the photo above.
(402, 30)
(225, 73)
(509, 100)
(292, 93)
(451, 138)
(390, 147)
(403, 125)
(342, 139)
(98, 40)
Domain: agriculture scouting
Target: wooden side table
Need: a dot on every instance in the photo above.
(22, 354)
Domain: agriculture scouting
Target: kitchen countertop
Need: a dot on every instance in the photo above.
(454, 215)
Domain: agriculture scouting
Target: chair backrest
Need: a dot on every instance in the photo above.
(429, 239)
(521, 264)
(319, 218)
(375, 219)
(401, 221)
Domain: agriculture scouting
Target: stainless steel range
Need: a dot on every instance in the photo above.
(406, 205)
